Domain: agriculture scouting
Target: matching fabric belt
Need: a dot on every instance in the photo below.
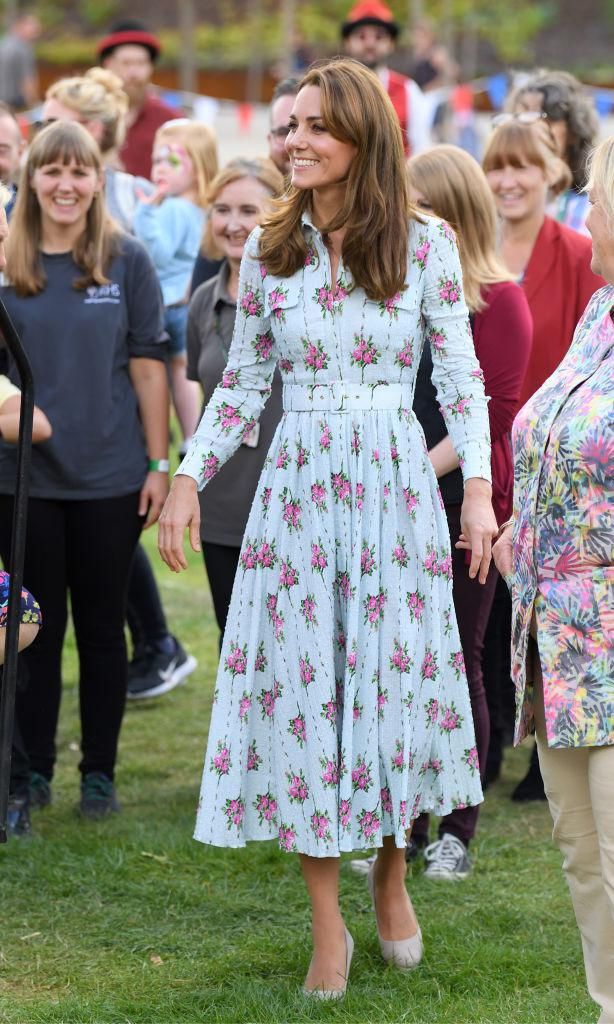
(343, 396)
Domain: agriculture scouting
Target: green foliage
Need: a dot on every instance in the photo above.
(98, 12)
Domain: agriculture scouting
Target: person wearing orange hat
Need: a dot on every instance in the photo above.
(130, 52)
(370, 33)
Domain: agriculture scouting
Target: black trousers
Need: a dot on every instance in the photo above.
(85, 547)
(221, 563)
(146, 618)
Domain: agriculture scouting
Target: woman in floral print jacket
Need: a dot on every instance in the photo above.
(559, 558)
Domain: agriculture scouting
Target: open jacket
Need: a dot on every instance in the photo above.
(563, 441)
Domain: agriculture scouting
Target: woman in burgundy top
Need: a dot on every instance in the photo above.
(449, 182)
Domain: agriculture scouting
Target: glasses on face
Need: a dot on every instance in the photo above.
(522, 117)
(281, 132)
(38, 126)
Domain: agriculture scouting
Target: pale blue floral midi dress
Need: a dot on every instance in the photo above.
(341, 709)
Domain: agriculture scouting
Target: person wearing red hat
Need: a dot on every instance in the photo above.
(130, 51)
(369, 33)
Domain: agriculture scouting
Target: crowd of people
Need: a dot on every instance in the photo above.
(341, 308)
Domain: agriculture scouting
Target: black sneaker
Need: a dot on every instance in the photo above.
(40, 790)
(532, 786)
(97, 796)
(152, 673)
(18, 817)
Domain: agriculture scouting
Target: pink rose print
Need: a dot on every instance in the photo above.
(360, 493)
(341, 487)
(400, 660)
(437, 339)
(341, 639)
(357, 711)
(412, 500)
(320, 826)
(265, 555)
(251, 303)
(297, 729)
(394, 450)
(374, 605)
(275, 618)
(330, 300)
(263, 346)
(235, 812)
(311, 258)
(267, 700)
(298, 790)
(210, 466)
(415, 602)
(432, 710)
(405, 356)
(286, 366)
(368, 824)
(325, 437)
(292, 511)
(430, 563)
(421, 253)
(343, 586)
(220, 762)
(446, 232)
(429, 668)
(400, 555)
(382, 700)
(227, 418)
(386, 800)
(409, 701)
(415, 807)
(367, 559)
(478, 375)
(260, 661)
(356, 443)
(288, 576)
(277, 298)
(434, 764)
(398, 760)
(283, 456)
(244, 706)
(329, 711)
(236, 661)
(318, 495)
(375, 457)
(263, 271)
(248, 557)
(302, 456)
(352, 659)
(471, 759)
(365, 353)
(449, 718)
(266, 806)
(461, 407)
(330, 773)
(456, 662)
(308, 610)
(459, 804)
(249, 426)
(345, 814)
(316, 358)
(253, 758)
(287, 839)
(390, 307)
(449, 291)
(361, 776)
(307, 672)
(319, 561)
(403, 813)
(266, 498)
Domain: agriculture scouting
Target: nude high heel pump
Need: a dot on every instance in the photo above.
(335, 993)
(404, 954)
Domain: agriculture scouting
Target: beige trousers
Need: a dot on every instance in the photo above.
(579, 784)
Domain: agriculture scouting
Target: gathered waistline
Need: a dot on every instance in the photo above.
(343, 396)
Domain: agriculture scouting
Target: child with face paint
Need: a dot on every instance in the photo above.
(170, 223)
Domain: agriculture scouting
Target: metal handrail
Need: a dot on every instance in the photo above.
(18, 547)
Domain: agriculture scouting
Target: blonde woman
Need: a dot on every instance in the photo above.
(85, 300)
(333, 725)
(97, 101)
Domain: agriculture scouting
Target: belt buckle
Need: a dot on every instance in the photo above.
(339, 395)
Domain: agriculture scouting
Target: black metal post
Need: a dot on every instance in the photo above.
(20, 514)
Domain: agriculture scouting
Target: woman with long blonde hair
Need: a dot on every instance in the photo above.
(84, 297)
(341, 704)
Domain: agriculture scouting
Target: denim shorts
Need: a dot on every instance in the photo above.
(176, 326)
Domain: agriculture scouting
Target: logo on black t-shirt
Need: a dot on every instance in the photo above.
(102, 293)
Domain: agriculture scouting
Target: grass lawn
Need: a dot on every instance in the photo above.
(131, 922)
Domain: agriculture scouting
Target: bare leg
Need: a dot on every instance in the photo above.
(186, 396)
(395, 915)
(327, 967)
(27, 633)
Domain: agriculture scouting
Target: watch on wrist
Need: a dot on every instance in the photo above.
(159, 466)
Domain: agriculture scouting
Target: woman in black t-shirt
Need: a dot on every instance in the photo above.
(85, 299)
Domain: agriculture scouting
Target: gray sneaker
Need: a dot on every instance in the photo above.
(447, 860)
(362, 865)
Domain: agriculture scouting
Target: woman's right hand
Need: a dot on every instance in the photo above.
(503, 553)
(181, 510)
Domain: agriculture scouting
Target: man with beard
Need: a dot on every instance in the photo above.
(130, 51)
(369, 33)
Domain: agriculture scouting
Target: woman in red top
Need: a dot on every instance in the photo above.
(448, 182)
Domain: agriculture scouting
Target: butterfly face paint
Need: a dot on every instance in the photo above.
(172, 169)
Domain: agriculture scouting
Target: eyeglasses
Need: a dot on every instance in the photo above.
(523, 117)
(282, 132)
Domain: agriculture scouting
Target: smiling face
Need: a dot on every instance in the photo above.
(172, 169)
(317, 160)
(372, 45)
(235, 212)
(602, 261)
(280, 113)
(519, 192)
(65, 193)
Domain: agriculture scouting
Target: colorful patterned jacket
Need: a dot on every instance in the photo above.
(563, 441)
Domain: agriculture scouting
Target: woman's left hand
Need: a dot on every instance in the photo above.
(153, 496)
(478, 526)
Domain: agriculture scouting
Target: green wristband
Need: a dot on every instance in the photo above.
(159, 466)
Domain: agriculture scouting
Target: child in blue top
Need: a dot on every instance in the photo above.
(170, 222)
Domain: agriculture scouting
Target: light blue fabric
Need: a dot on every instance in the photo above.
(172, 233)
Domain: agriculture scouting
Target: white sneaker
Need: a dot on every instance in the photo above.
(447, 860)
(362, 865)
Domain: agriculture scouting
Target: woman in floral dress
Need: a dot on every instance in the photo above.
(341, 709)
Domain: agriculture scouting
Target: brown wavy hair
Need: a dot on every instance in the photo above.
(62, 141)
(376, 207)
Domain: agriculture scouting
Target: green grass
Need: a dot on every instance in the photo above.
(131, 922)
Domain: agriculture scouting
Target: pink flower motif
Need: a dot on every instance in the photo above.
(308, 609)
(437, 341)
(341, 639)
(277, 297)
(361, 776)
(400, 659)
(266, 806)
(352, 659)
(342, 489)
(325, 437)
(457, 663)
(230, 379)
(315, 356)
(266, 556)
(398, 759)
(356, 443)
(302, 456)
(432, 710)
(298, 790)
(248, 558)
(400, 555)
(329, 711)
(263, 344)
(288, 576)
(345, 814)
(228, 417)
(287, 838)
(235, 812)
(386, 800)
(403, 813)
(307, 672)
(330, 773)
(251, 303)
(367, 560)
(253, 758)
(319, 561)
(449, 719)
(390, 306)
(412, 500)
(369, 824)
(421, 254)
(263, 271)
(375, 456)
(320, 825)
(471, 759)
(298, 730)
(236, 661)
(318, 495)
(449, 290)
(211, 464)
(405, 356)
(374, 605)
(260, 661)
(266, 497)
(311, 257)
(460, 407)
(283, 456)
(244, 706)
(292, 511)
(415, 603)
(429, 667)
(220, 762)
(357, 711)
(360, 493)
(343, 586)
(365, 352)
